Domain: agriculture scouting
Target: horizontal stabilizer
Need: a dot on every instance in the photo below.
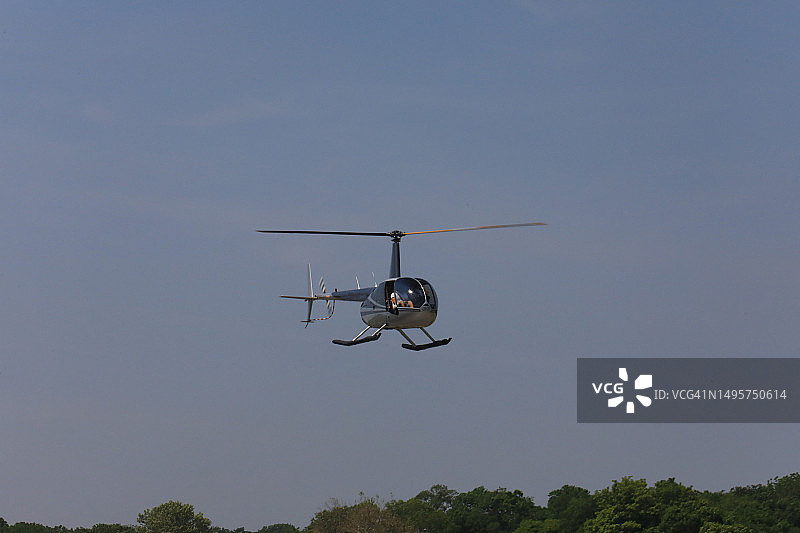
(310, 298)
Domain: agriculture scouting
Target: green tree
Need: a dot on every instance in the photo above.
(770, 508)
(173, 517)
(31, 527)
(687, 516)
(498, 511)
(625, 507)
(716, 527)
(752, 507)
(421, 515)
(279, 528)
(571, 506)
(681, 509)
(785, 494)
(438, 496)
(366, 516)
(548, 525)
(111, 528)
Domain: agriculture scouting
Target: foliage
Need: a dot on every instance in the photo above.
(484, 511)
(366, 516)
(107, 528)
(680, 508)
(548, 525)
(279, 528)
(421, 514)
(770, 508)
(716, 527)
(570, 507)
(28, 527)
(438, 497)
(111, 528)
(627, 506)
(173, 517)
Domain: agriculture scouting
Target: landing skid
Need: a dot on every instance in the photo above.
(359, 339)
(417, 347)
(353, 342)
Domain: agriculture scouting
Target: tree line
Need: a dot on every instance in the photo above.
(628, 505)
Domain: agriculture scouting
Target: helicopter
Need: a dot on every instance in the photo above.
(399, 302)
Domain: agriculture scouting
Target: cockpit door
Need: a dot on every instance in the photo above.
(391, 298)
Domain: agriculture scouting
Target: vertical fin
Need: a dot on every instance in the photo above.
(311, 294)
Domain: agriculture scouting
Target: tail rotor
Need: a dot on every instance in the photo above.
(328, 303)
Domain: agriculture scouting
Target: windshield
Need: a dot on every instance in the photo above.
(408, 293)
(403, 293)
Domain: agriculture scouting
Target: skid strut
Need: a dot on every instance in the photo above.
(358, 339)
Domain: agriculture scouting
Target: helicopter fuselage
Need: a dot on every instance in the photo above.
(400, 303)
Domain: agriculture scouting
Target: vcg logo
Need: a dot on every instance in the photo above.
(644, 381)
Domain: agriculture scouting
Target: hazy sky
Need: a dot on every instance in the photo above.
(145, 354)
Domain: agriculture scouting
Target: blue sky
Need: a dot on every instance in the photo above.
(146, 355)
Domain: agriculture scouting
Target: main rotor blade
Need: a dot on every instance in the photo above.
(476, 227)
(396, 234)
(313, 232)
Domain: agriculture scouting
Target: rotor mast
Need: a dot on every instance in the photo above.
(394, 266)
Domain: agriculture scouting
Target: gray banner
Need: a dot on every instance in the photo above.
(688, 390)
